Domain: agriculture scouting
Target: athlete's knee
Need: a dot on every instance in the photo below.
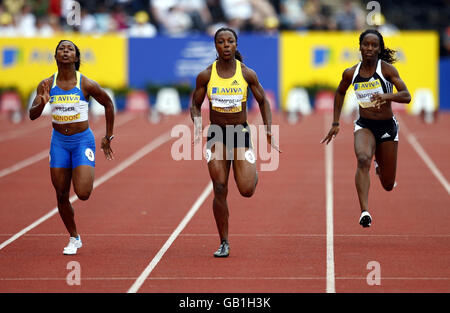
(247, 191)
(62, 196)
(83, 194)
(363, 161)
(220, 189)
(388, 185)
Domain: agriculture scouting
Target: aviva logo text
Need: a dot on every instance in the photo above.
(368, 85)
(72, 98)
(226, 91)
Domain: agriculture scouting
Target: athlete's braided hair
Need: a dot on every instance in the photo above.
(77, 52)
(386, 54)
(237, 55)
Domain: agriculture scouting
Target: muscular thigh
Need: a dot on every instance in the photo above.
(218, 164)
(386, 156)
(83, 178)
(244, 167)
(61, 178)
(364, 143)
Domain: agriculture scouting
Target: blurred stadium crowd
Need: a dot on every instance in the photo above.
(148, 18)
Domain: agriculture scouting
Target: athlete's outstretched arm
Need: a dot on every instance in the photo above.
(264, 105)
(41, 99)
(198, 96)
(94, 90)
(339, 97)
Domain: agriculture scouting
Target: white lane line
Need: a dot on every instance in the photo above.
(219, 278)
(24, 163)
(123, 165)
(425, 157)
(23, 131)
(330, 287)
(141, 279)
(43, 154)
(411, 236)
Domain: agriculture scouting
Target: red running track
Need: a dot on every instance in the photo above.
(278, 237)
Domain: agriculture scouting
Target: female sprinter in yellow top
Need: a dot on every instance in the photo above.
(225, 82)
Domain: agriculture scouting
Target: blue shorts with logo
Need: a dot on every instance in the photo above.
(72, 151)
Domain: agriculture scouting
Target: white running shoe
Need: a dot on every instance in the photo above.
(365, 220)
(74, 244)
(377, 171)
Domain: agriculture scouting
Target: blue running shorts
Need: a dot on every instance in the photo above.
(72, 151)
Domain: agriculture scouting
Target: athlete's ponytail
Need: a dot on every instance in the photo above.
(77, 52)
(386, 54)
(237, 55)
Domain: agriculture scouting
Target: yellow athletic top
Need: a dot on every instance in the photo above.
(227, 94)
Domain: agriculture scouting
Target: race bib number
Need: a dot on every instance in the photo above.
(365, 90)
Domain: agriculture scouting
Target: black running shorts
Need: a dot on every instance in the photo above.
(383, 130)
(232, 136)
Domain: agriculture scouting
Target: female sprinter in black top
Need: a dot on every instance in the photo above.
(229, 139)
(376, 131)
(72, 148)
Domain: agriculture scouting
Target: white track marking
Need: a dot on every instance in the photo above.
(425, 157)
(330, 287)
(23, 131)
(410, 236)
(141, 279)
(24, 163)
(217, 278)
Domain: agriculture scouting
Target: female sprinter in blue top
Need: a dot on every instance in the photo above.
(376, 131)
(72, 148)
(225, 83)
